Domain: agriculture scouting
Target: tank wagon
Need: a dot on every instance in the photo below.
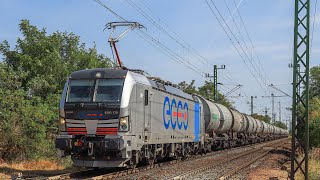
(119, 118)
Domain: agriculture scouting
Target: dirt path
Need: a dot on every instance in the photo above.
(273, 166)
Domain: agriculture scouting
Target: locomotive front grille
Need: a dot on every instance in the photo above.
(96, 127)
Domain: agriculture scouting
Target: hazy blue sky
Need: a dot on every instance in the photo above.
(269, 24)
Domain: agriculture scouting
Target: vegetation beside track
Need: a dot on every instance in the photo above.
(32, 75)
(314, 166)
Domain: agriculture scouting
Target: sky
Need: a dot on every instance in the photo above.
(185, 35)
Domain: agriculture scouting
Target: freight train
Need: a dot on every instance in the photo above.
(119, 118)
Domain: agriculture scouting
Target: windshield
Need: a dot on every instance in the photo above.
(80, 91)
(100, 90)
(108, 90)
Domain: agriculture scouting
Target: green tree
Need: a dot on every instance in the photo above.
(266, 119)
(314, 122)
(315, 81)
(32, 76)
(206, 91)
(188, 88)
(48, 59)
(280, 124)
(314, 116)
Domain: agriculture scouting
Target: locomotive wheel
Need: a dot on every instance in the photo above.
(132, 164)
(135, 159)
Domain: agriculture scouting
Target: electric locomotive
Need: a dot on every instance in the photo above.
(117, 118)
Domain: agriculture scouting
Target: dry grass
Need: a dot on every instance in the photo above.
(314, 166)
(34, 165)
(35, 168)
(14, 170)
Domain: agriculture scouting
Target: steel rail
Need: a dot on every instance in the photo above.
(246, 164)
(212, 165)
(127, 172)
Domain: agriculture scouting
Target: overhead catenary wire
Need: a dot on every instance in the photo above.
(158, 44)
(251, 59)
(175, 55)
(314, 19)
(175, 37)
(114, 13)
(233, 43)
(182, 44)
(250, 40)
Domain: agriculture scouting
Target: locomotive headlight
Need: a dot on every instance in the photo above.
(124, 123)
(62, 124)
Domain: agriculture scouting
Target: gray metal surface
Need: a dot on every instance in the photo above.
(251, 124)
(225, 118)
(237, 121)
(211, 116)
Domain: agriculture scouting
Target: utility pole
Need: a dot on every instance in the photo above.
(266, 112)
(273, 114)
(279, 111)
(252, 104)
(215, 80)
(300, 101)
(287, 120)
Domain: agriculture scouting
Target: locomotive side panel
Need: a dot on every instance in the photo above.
(173, 119)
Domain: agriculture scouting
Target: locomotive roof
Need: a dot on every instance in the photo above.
(119, 73)
(169, 89)
(105, 73)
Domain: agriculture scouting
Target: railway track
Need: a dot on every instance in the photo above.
(204, 162)
(258, 153)
(246, 164)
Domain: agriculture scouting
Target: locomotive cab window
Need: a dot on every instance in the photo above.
(108, 90)
(80, 90)
(100, 90)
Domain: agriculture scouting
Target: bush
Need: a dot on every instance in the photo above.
(32, 77)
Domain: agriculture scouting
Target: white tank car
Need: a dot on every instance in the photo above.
(218, 119)
(238, 121)
(251, 125)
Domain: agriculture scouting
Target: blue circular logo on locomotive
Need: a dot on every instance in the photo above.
(175, 114)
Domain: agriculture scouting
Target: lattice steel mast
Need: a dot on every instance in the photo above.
(300, 99)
